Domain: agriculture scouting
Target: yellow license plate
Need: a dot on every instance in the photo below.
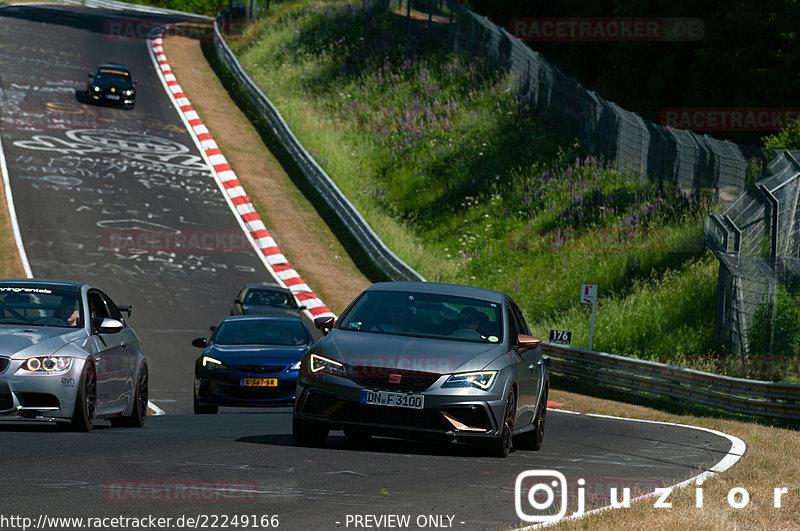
(259, 382)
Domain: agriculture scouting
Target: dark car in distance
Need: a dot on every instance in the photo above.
(112, 83)
(425, 360)
(250, 360)
(263, 299)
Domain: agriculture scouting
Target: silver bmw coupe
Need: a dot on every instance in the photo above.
(67, 355)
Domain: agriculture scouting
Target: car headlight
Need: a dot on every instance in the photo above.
(128, 92)
(211, 363)
(482, 380)
(47, 364)
(96, 89)
(326, 365)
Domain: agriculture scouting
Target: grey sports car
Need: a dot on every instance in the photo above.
(425, 360)
(67, 354)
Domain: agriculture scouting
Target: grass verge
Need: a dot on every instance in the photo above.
(764, 468)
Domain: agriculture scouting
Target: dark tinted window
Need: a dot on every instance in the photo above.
(36, 306)
(263, 297)
(261, 332)
(424, 314)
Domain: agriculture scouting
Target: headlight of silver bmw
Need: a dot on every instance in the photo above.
(46, 364)
(482, 380)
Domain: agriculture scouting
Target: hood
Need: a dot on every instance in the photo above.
(258, 309)
(22, 342)
(277, 354)
(107, 84)
(440, 356)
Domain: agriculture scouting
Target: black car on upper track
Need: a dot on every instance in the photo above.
(112, 82)
(264, 299)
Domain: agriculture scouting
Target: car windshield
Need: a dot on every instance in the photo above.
(118, 76)
(261, 332)
(426, 315)
(262, 297)
(35, 306)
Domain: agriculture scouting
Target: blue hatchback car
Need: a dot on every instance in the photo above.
(250, 360)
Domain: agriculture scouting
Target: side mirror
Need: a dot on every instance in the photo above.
(125, 308)
(135, 81)
(199, 342)
(527, 342)
(109, 326)
(324, 324)
(301, 308)
(237, 300)
(212, 327)
(91, 74)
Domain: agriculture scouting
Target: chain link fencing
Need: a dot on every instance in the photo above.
(636, 146)
(757, 242)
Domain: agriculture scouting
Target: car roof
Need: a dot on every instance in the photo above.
(42, 283)
(113, 66)
(278, 318)
(270, 287)
(439, 288)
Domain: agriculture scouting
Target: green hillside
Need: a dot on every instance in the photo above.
(444, 159)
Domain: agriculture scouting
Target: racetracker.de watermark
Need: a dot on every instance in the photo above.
(140, 241)
(729, 118)
(180, 491)
(592, 29)
(49, 118)
(128, 29)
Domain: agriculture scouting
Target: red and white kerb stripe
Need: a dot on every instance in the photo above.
(279, 267)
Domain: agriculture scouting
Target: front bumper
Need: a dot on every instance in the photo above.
(227, 391)
(120, 99)
(38, 396)
(463, 414)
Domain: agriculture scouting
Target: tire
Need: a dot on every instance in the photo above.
(501, 446)
(532, 440)
(86, 400)
(204, 410)
(309, 433)
(139, 408)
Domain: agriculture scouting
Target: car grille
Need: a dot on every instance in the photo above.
(385, 378)
(38, 400)
(284, 389)
(391, 416)
(326, 406)
(259, 369)
(4, 364)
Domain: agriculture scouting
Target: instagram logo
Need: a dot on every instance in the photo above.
(542, 495)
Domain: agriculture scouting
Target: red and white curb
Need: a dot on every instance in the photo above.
(275, 262)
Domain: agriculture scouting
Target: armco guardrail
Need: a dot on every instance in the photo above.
(773, 402)
(372, 245)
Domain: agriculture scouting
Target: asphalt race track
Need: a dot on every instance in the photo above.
(85, 176)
